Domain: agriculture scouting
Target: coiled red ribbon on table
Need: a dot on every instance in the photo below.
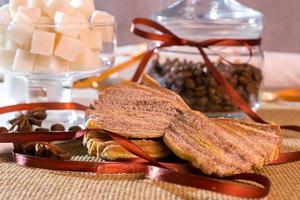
(170, 172)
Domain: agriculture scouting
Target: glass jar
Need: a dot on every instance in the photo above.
(182, 69)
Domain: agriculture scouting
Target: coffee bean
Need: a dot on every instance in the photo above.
(216, 100)
(75, 128)
(57, 127)
(203, 101)
(3, 130)
(212, 92)
(199, 80)
(189, 83)
(200, 91)
(243, 80)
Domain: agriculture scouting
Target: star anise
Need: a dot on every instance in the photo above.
(43, 149)
(26, 121)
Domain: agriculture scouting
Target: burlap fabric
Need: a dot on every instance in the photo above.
(26, 183)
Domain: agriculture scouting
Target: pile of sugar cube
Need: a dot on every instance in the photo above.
(53, 36)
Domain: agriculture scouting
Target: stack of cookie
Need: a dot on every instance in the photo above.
(154, 117)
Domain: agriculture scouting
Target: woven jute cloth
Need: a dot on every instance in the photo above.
(28, 183)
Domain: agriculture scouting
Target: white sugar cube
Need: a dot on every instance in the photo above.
(92, 39)
(20, 34)
(104, 22)
(32, 13)
(36, 3)
(4, 13)
(50, 64)
(59, 65)
(87, 60)
(23, 61)
(52, 6)
(41, 64)
(15, 4)
(45, 24)
(68, 48)
(101, 17)
(21, 29)
(67, 24)
(87, 7)
(6, 58)
(42, 43)
(3, 39)
(12, 46)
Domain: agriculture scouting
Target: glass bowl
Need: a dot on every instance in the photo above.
(49, 57)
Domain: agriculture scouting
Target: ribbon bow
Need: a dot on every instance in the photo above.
(167, 39)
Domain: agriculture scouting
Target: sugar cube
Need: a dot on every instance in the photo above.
(87, 60)
(68, 48)
(21, 29)
(87, 7)
(4, 17)
(104, 22)
(36, 3)
(50, 64)
(68, 24)
(45, 24)
(3, 39)
(6, 58)
(15, 4)
(23, 61)
(12, 46)
(4, 13)
(42, 43)
(101, 17)
(59, 65)
(52, 6)
(92, 39)
(32, 13)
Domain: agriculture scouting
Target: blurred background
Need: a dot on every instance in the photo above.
(281, 19)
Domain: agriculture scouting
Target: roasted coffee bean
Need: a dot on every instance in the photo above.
(203, 101)
(216, 100)
(212, 82)
(75, 128)
(212, 92)
(42, 130)
(57, 127)
(200, 91)
(189, 83)
(251, 89)
(199, 80)
(3, 130)
(243, 80)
